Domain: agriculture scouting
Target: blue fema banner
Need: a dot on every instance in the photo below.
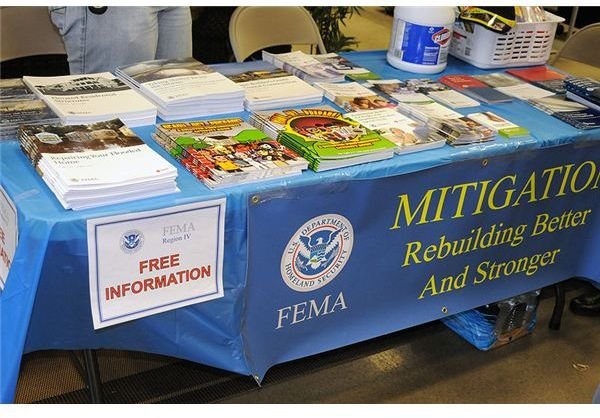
(342, 262)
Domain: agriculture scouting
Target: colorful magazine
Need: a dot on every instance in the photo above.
(328, 140)
(225, 152)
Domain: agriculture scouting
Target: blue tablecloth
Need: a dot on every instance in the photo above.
(45, 304)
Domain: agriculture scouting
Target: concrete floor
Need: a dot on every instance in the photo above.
(431, 365)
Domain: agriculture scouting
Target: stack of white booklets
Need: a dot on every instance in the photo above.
(304, 66)
(88, 98)
(268, 87)
(97, 164)
(183, 88)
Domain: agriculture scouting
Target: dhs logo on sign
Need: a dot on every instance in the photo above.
(317, 252)
(442, 37)
(132, 241)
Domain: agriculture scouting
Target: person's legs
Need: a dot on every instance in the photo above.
(174, 33)
(587, 304)
(105, 41)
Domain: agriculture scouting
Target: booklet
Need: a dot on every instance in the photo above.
(16, 112)
(89, 98)
(353, 96)
(525, 91)
(224, 152)
(541, 76)
(408, 134)
(268, 87)
(573, 113)
(183, 88)
(499, 124)
(96, 164)
(304, 66)
(475, 88)
(461, 131)
(11, 88)
(328, 140)
(498, 80)
(342, 65)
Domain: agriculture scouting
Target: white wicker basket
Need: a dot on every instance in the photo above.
(525, 44)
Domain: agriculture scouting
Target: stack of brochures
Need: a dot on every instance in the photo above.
(342, 65)
(18, 105)
(304, 66)
(88, 98)
(322, 68)
(268, 87)
(324, 137)
(584, 90)
(498, 124)
(96, 164)
(227, 152)
(573, 113)
(420, 90)
(460, 131)
(183, 88)
(353, 96)
(408, 134)
(512, 86)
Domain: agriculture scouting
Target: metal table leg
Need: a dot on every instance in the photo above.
(559, 304)
(93, 375)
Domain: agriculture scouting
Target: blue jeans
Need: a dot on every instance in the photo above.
(122, 35)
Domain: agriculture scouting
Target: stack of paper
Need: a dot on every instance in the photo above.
(183, 88)
(584, 90)
(513, 86)
(408, 134)
(268, 87)
(304, 66)
(498, 124)
(272, 122)
(460, 131)
(325, 138)
(96, 164)
(353, 97)
(11, 88)
(227, 152)
(89, 98)
(18, 105)
(573, 113)
(415, 90)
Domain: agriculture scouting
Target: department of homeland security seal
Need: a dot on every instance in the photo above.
(132, 241)
(317, 252)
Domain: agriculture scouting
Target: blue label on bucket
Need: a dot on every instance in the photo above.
(426, 45)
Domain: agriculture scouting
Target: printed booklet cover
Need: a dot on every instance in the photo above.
(96, 164)
(268, 87)
(11, 88)
(178, 80)
(304, 66)
(88, 98)
(15, 112)
(224, 152)
(353, 96)
(408, 134)
(349, 69)
(328, 140)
